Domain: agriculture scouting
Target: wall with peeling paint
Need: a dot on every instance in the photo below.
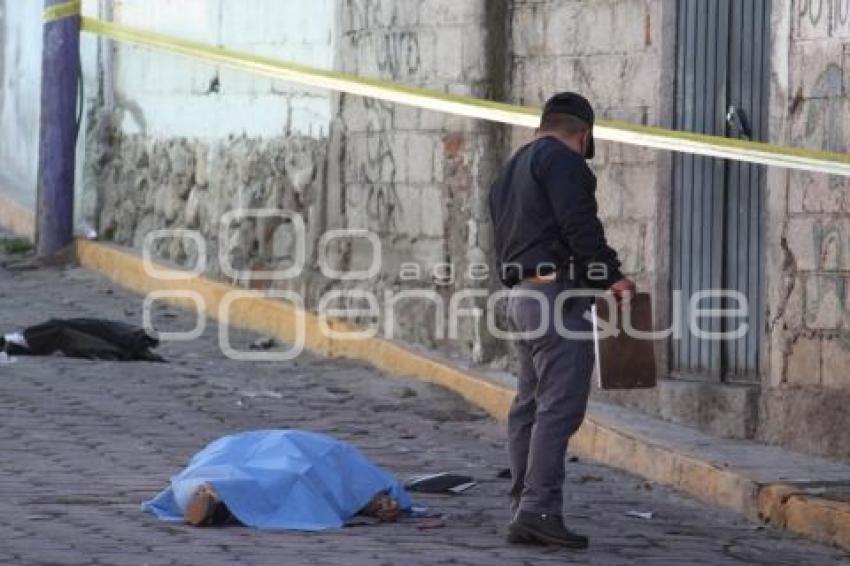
(626, 70)
(419, 179)
(175, 143)
(806, 390)
(183, 143)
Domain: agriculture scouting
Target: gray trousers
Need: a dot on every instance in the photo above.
(552, 392)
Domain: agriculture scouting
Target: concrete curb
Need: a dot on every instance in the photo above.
(605, 436)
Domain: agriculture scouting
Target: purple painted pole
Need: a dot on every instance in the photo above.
(60, 70)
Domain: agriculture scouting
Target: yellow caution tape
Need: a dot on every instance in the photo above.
(471, 107)
(62, 11)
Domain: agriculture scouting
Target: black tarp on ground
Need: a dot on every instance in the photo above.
(86, 338)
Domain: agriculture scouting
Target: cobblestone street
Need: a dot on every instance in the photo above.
(83, 443)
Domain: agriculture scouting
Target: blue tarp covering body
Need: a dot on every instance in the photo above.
(281, 479)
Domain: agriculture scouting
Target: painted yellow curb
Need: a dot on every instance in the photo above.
(16, 218)
(819, 519)
(606, 443)
(598, 440)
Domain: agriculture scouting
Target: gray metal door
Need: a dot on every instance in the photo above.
(717, 239)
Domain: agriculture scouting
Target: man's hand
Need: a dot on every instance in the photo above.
(625, 288)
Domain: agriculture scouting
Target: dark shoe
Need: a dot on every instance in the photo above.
(516, 537)
(543, 529)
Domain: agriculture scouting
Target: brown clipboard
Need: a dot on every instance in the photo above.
(625, 361)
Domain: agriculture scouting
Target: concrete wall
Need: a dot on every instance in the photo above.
(806, 390)
(166, 96)
(20, 95)
(172, 143)
(175, 143)
(420, 179)
(157, 158)
(417, 179)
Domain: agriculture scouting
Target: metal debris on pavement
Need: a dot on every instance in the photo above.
(265, 343)
(442, 482)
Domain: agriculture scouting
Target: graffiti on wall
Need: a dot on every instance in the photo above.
(826, 288)
(823, 18)
(376, 166)
(399, 55)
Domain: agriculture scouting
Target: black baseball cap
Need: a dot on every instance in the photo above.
(575, 105)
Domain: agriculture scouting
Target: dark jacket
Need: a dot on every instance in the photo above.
(89, 338)
(545, 219)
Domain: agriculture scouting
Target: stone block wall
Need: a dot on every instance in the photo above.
(148, 184)
(807, 388)
(186, 142)
(416, 178)
(419, 180)
(176, 143)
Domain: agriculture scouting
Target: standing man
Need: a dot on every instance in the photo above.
(549, 240)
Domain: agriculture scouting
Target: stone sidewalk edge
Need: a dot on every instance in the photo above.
(782, 505)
